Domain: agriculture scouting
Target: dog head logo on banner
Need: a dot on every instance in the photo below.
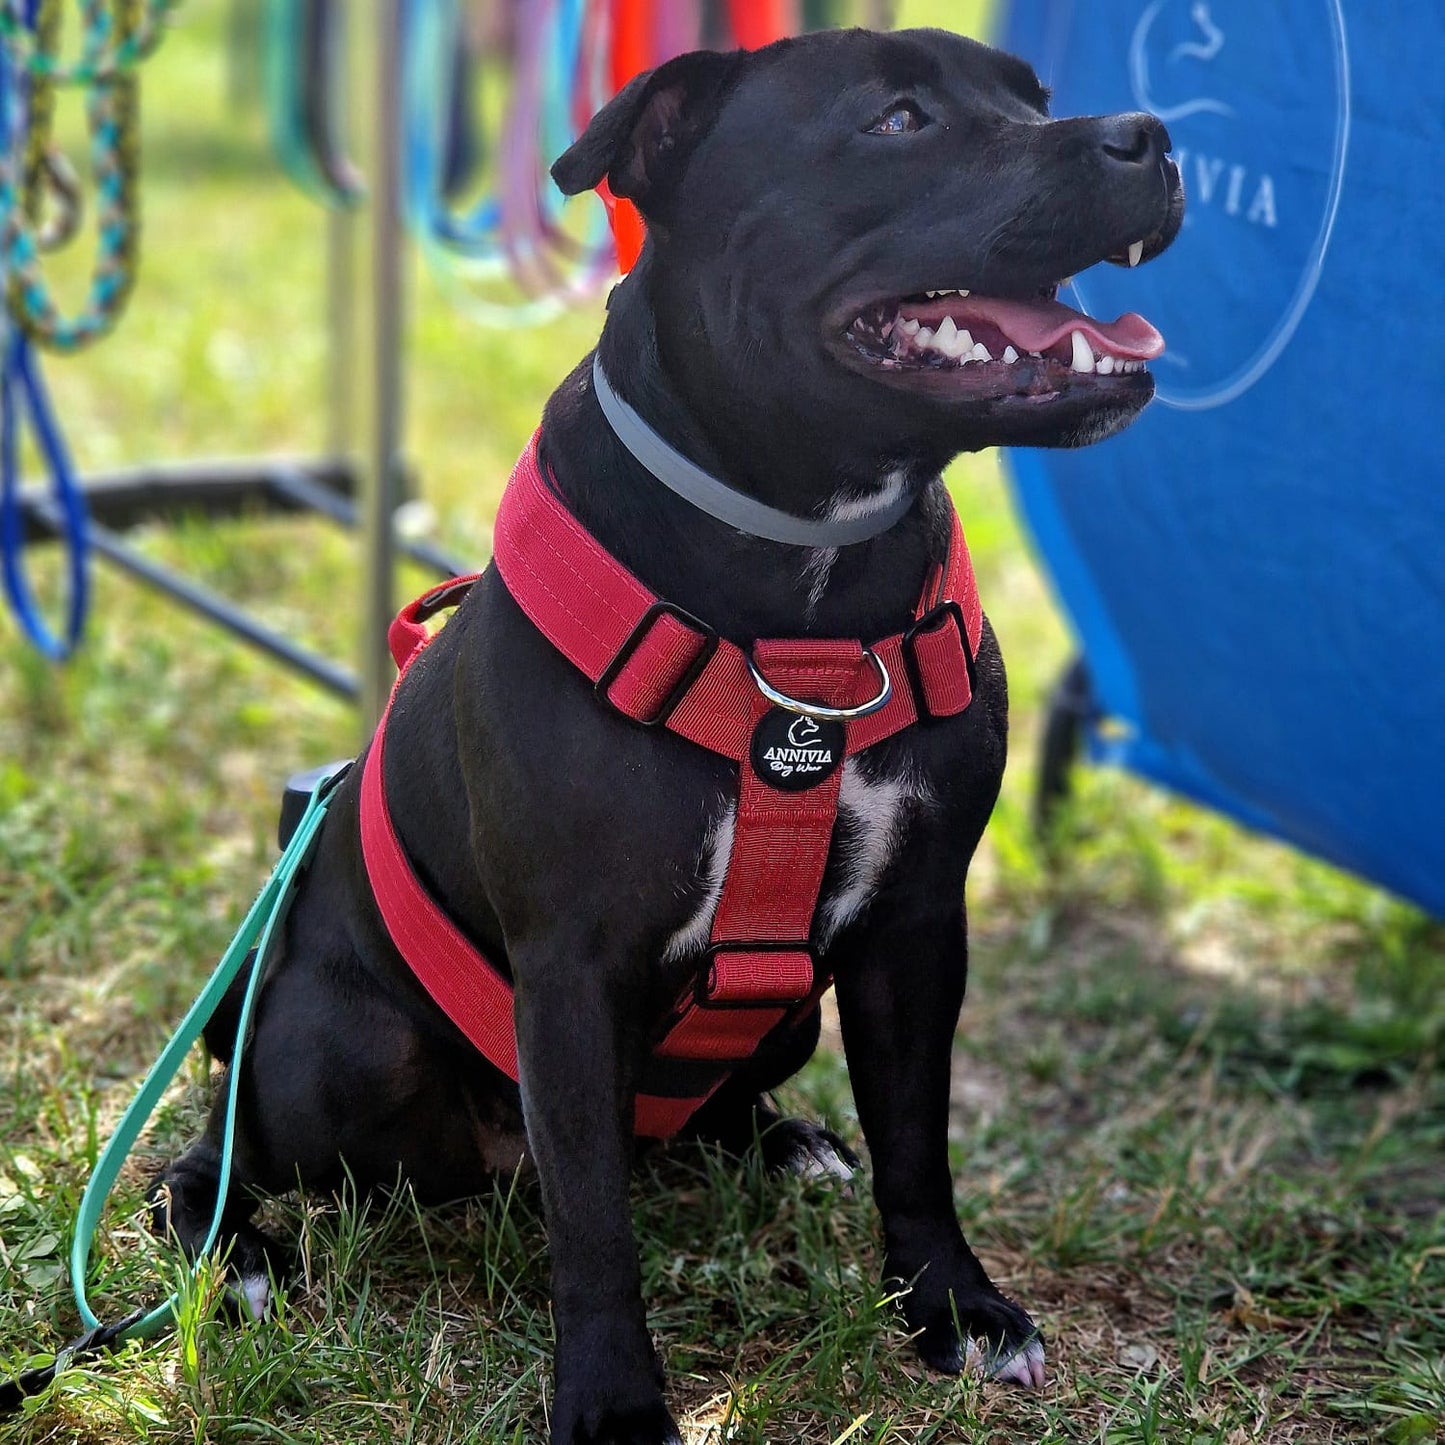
(1257, 101)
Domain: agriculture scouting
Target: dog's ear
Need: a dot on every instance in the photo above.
(641, 137)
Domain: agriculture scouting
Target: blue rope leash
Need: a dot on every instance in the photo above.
(22, 389)
(429, 30)
(22, 386)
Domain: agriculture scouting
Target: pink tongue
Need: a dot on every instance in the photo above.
(1038, 325)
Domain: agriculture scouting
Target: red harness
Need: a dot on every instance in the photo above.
(659, 666)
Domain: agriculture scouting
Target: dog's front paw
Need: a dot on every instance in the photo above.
(613, 1421)
(978, 1330)
(609, 1392)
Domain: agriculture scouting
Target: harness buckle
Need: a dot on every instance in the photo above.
(931, 621)
(635, 639)
(714, 990)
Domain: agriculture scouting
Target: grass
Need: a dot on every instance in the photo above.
(1200, 1113)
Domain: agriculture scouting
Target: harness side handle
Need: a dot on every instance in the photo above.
(408, 632)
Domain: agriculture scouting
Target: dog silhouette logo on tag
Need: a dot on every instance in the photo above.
(793, 751)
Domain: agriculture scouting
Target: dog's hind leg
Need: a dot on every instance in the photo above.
(739, 1116)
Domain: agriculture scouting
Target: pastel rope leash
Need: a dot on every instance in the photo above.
(517, 228)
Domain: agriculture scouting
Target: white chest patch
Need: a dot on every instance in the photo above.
(819, 564)
(717, 848)
(873, 814)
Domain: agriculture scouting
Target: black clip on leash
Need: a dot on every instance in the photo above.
(14, 1393)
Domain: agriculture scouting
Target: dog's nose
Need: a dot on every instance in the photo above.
(1134, 139)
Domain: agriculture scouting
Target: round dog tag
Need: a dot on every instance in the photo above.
(792, 751)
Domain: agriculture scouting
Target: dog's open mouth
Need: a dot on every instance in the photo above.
(1029, 347)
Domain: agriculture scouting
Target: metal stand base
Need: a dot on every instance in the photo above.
(118, 501)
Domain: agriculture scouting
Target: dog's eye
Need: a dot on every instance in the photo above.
(899, 119)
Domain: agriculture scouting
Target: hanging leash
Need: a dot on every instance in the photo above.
(303, 52)
(517, 229)
(22, 389)
(112, 55)
(113, 117)
(34, 172)
(259, 931)
(22, 394)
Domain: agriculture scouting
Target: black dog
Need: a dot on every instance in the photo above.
(806, 204)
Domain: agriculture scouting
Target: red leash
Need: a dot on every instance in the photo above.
(659, 666)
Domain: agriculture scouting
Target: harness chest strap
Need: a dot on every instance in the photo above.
(661, 667)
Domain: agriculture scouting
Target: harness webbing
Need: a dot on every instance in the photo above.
(661, 667)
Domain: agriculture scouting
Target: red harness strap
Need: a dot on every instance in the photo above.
(661, 667)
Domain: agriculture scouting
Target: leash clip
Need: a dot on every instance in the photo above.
(817, 709)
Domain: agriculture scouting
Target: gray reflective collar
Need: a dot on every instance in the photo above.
(718, 499)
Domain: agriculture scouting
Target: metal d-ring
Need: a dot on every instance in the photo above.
(816, 709)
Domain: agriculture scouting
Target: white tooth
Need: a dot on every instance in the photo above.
(909, 327)
(1083, 356)
(948, 340)
(963, 293)
(979, 353)
(1010, 355)
(1106, 366)
(923, 336)
(962, 345)
(930, 294)
(1135, 252)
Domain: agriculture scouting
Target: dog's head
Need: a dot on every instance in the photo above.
(883, 221)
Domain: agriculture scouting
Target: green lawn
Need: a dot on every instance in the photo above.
(1200, 1112)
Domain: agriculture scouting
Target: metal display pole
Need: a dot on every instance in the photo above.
(341, 227)
(373, 42)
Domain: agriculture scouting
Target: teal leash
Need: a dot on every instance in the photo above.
(259, 930)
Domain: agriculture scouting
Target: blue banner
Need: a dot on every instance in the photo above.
(1256, 569)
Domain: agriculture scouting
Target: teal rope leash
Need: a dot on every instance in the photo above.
(103, 61)
(112, 113)
(259, 929)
